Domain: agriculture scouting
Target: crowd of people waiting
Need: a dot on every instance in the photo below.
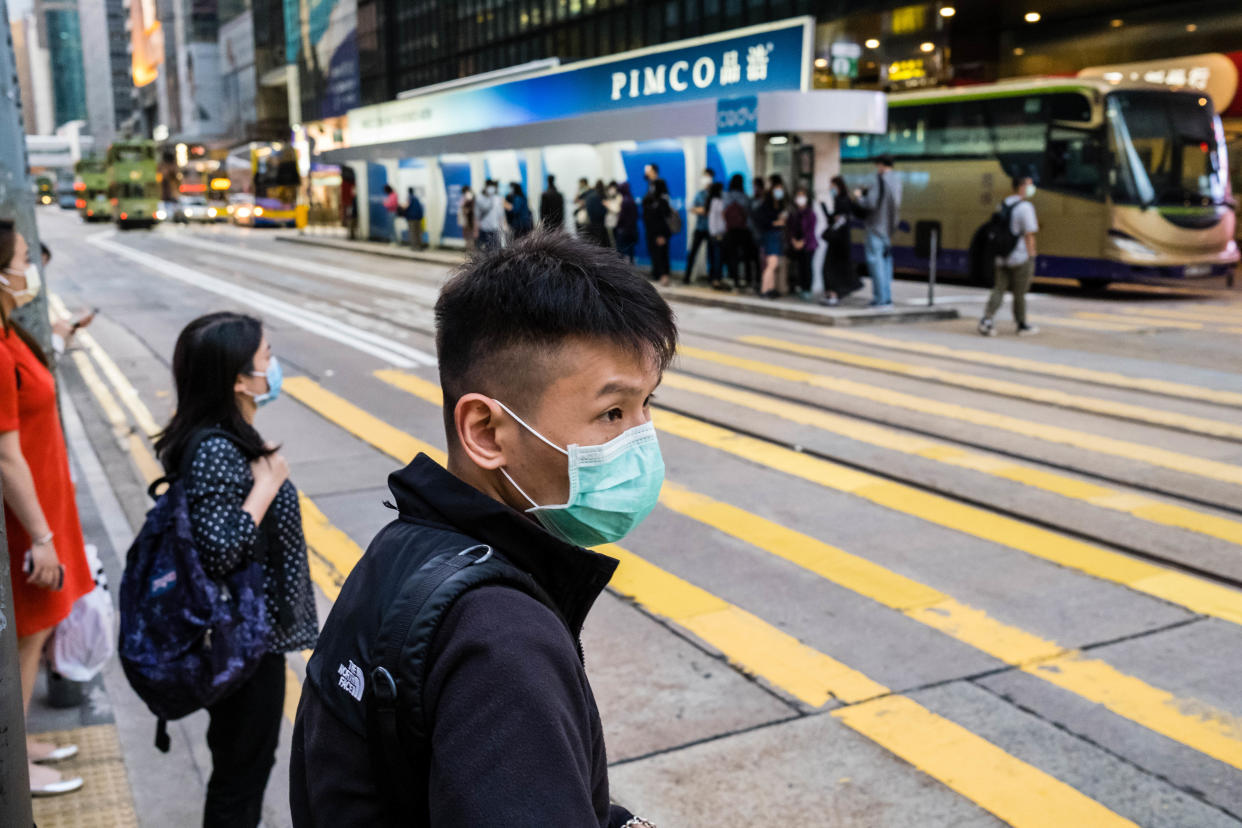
(769, 241)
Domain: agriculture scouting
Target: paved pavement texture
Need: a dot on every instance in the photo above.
(899, 575)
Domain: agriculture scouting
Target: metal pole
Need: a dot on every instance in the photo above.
(16, 201)
(931, 273)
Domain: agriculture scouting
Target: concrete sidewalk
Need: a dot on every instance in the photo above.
(910, 298)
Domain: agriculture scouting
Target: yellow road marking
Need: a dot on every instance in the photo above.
(1139, 506)
(411, 384)
(362, 424)
(1196, 594)
(1007, 388)
(124, 389)
(1070, 322)
(1151, 455)
(336, 547)
(1119, 318)
(1017, 793)
(1216, 315)
(1211, 731)
(1052, 369)
(140, 455)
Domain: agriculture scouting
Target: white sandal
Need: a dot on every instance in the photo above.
(59, 754)
(62, 786)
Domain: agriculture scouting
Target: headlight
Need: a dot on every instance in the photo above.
(160, 215)
(1133, 247)
(258, 211)
(242, 212)
(211, 212)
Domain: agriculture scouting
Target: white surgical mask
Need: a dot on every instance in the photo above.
(778, 193)
(705, 181)
(1030, 190)
(34, 280)
(800, 201)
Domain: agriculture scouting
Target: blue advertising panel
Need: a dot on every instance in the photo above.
(737, 114)
(456, 172)
(669, 156)
(380, 221)
(744, 62)
(321, 40)
(726, 156)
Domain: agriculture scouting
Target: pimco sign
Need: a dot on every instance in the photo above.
(742, 62)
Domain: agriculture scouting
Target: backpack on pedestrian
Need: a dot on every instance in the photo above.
(390, 687)
(998, 234)
(735, 216)
(674, 219)
(187, 640)
(414, 210)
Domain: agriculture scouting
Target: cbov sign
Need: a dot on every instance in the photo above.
(741, 62)
(737, 114)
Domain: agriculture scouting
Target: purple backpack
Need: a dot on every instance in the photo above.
(187, 640)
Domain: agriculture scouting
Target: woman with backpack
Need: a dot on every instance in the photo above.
(47, 556)
(715, 235)
(656, 215)
(737, 237)
(242, 508)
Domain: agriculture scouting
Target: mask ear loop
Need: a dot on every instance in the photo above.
(505, 472)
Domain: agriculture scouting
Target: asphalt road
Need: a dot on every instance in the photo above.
(899, 575)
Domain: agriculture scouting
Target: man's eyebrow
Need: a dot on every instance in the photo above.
(619, 388)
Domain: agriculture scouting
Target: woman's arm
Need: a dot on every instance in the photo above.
(23, 501)
(225, 508)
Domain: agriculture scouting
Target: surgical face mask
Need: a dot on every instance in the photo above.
(778, 193)
(489, 190)
(705, 181)
(612, 486)
(1030, 190)
(800, 201)
(274, 377)
(34, 280)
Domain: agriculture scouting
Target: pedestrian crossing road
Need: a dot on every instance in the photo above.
(898, 576)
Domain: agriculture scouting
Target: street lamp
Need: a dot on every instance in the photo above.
(947, 11)
(1031, 17)
(871, 43)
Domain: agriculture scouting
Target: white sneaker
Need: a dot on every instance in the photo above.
(1027, 330)
(986, 327)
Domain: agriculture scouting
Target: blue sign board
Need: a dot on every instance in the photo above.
(740, 63)
(737, 115)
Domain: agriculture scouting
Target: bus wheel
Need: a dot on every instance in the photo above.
(1094, 285)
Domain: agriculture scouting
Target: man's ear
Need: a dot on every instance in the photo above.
(478, 420)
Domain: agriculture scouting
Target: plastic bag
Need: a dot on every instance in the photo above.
(83, 642)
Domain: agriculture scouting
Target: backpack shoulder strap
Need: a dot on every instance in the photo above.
(187, 458)
(395, 686)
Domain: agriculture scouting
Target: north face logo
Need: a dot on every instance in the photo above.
(350, 679)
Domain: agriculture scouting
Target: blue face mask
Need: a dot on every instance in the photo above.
(274, 377)
(612, 486)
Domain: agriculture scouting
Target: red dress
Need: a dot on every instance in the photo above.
(28, 404)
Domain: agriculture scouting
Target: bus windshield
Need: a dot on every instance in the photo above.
(1165, 149)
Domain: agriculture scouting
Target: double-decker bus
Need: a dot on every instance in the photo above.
(1133, 179)
(91, 188)
(263, 184)
(134, 183)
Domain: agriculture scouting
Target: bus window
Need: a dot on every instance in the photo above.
(1072, 163)
(959, 129)
(1068, 106)
(1019, 127)
(1165, 149)
(907, 132)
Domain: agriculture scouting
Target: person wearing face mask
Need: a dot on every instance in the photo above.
(491, 216)
(801, 243)
(702, 234)
(770, 219)
(47, 555)
(242, 507)
(1015, 269)
(479, 711)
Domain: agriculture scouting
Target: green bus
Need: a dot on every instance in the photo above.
(1133, 179)
(134, 183)
(91, 187)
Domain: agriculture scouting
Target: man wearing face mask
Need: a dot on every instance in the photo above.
(701, 233)
(491, 209)
(1015, 269)
(448, 685)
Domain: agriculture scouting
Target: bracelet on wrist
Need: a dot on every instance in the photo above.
(43, 541)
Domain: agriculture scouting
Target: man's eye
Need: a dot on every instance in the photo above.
(614, 414)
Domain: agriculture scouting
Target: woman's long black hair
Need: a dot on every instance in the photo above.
(211, 352)
(8, 248)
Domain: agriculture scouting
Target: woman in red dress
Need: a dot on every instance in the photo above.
(41, 516)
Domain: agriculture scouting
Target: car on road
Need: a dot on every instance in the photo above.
(191, 209)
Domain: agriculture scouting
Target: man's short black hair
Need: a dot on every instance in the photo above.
(1017, 181)
(886, 160)
(504, 314)
(709, 172)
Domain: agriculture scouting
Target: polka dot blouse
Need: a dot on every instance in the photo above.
(217, 484)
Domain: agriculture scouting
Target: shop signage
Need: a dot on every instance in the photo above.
(1214, 74)
(741, 62)
(737, 115)
(845, 59)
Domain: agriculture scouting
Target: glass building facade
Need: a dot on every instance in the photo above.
(406, 44)
(64, 43)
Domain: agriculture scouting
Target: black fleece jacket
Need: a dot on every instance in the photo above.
(515, 734)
